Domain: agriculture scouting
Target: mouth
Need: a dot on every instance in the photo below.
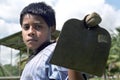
(31, 40)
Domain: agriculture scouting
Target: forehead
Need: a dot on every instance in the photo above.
(33, 18)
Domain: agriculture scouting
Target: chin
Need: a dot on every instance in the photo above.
(31, 47)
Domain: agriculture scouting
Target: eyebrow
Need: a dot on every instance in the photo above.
(35, 22)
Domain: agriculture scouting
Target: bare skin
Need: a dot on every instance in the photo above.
(74, 75)
(35, 31)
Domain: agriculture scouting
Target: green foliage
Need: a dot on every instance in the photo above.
(113, 65)
(8, 70)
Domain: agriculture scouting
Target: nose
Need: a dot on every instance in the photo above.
(31, 31)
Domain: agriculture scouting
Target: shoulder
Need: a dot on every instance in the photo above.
(51, 46)
(46, 52)
(49, 49)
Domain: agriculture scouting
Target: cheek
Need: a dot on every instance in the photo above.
(24, 37)
(44, 37)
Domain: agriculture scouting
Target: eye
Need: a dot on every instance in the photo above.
(37, 27)
(25, 27)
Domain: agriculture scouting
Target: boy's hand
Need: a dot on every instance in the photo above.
(93, 19)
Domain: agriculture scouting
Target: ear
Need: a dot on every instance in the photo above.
(53, 28)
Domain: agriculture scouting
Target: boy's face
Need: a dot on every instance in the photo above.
(35, 31)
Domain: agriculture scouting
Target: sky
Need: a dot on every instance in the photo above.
(114, 3)
(109, 10)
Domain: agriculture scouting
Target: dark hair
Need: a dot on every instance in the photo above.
(40, 9)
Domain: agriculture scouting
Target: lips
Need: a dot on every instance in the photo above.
(31, 40)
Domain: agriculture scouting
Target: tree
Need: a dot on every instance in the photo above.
(113, 66)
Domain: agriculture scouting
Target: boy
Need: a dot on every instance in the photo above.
(37, 21)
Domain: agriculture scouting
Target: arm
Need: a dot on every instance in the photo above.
(74, 75)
